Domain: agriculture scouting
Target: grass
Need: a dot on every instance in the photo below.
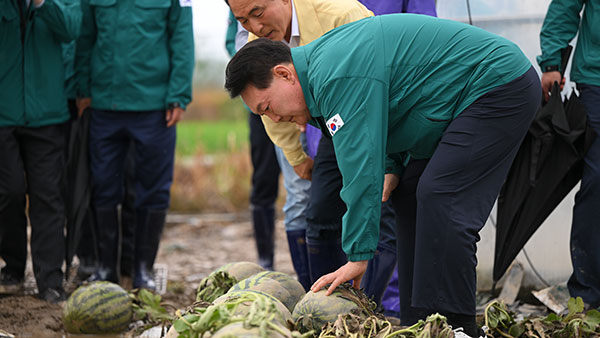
(211, 137)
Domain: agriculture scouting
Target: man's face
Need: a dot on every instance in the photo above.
(282, 101)
(271, 19)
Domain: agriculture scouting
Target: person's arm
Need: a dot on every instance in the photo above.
(359, 142)
(286, 136)
(181, 58)
(83, 56)
(559, 28)
(230, 34)
(62, 17)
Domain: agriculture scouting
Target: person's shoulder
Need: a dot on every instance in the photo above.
(334, 8)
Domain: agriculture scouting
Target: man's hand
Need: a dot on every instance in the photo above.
(390, 182)
(82, 104)
(173, 116)
(304, 169)
(350, 271)
(548, 79)
(38, 3)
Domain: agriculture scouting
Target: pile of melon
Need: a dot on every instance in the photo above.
(236, 300)
(261, 303)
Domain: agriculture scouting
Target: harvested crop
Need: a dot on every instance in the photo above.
(277, 284)
(222, 279)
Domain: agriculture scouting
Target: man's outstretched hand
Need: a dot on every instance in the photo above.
(353, 271)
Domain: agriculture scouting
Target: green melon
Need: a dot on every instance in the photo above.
(283, 315)
(277, 284)
(222, 279)
(238, 330)
(315, 310)
(99, 307)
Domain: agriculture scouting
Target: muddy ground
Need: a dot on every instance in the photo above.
(191, 247)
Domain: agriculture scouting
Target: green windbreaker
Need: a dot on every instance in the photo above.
(31, 71)
(561, 24)
(388, 86)
(135, 55)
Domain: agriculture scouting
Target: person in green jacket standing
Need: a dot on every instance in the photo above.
(437, 89)
(563, 21)
(134, 64)
(33, 112)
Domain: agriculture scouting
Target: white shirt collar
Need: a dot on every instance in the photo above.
(295, 34)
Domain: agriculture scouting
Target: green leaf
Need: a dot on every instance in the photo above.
(516, 330)
(575, 305)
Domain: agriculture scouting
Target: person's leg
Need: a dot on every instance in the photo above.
(294, 210)
(404, 200)
(13, 222)
(128, 214)
(43, 159)
(154, 160)
(265, 184)
(585, 257)
(324, 214)
(108, 143)
(382, 265)
(456, 193)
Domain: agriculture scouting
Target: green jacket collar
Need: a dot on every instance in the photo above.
(301, 66)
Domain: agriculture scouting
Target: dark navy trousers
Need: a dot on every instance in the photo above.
(585, 234)
(454, 196)
(110, 135)
(265, 176)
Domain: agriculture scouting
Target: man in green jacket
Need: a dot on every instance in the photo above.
(561, 24)
(134, 65)
(436, 89)
(33, 112)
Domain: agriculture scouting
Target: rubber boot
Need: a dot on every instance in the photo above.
(264, 230)
(324, 256)
(297, 242)
(467, 322)
(127, 238)
(149, 227)
(107, 225)
(379, 272)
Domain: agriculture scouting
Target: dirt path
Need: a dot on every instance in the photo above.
(191, 247)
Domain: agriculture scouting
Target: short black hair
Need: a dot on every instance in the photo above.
(252, 64)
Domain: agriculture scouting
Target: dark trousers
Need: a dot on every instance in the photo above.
(326, 207)
(111, 133)
(32, 163)
(585, 234)
(454, 197)
(265, 176)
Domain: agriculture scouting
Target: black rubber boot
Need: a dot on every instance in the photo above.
(297, 242)
(467, 322)
(379, 271)
(324, 255)
(150, 224)
(264, 230)
(107, 225)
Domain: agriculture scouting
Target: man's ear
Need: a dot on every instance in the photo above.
(282, 71)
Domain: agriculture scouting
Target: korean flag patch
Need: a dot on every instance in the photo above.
(185, 3)
(334, 124)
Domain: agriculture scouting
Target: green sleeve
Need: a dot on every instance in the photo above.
(231, 32)
(83, 50)
(360, 151)
(62, 17)
(181, 50)
(559, 28)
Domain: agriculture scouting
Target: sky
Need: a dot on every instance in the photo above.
(210, 26)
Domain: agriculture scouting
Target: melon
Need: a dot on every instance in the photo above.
(316, 309)
(277, 284)
(239, 330)
(222, 279)
(247, 297)
(98, 308)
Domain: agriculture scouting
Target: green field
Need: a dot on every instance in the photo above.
(211, 137)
